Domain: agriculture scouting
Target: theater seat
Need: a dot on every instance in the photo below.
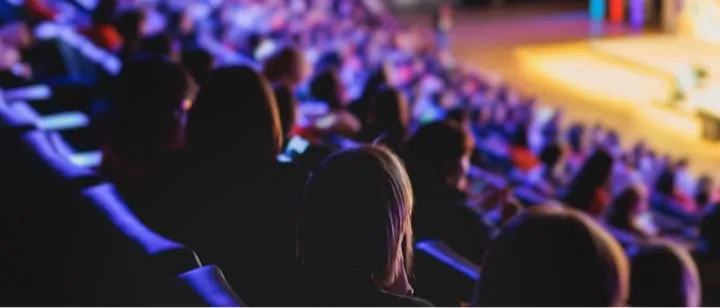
(204, 287)
(69, 240)
(442, 276)
(13, 124)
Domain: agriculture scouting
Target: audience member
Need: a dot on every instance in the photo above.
(388, 119)
(664, 275)
(364, 260)
(437, 158)
(286, 66)
(626, 209)
(145, 133)
(130, 26)
(199, 63)
(588, 190)
(102, 31)
(553, 257)
(235, 186)
(162, 45)
(361, 107)
(326, 87)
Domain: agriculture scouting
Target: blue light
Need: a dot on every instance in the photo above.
(87, 159)
(597, 9)
(63, 121)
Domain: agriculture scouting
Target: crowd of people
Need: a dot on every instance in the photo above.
(306, 146)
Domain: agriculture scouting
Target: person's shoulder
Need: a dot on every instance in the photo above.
(395, 300)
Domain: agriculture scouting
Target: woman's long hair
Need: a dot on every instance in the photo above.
(553, 257)
(388, 118)
(355, 218)
(593, 176)
(666, 275)
(375, 82)
(326, 87)
(234, 122)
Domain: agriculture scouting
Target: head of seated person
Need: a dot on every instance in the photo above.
(437, 156)
(147, 113)
(522, 157)
(104, 12)
(551, 155)
(160, 44)
(388, 119)
(326, 87)
(361, 106)
(374, 244)
(705, 192)
(588, 189)
(234, 123)
(550, 256)
(130, 25)
(664, 274)
(199, 63)
(286, 65)
(710, 233)
(626, 209)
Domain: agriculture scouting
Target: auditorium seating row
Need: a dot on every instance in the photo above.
(69, 239)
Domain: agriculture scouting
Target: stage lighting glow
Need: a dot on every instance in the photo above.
(617, 11)
(597, 10)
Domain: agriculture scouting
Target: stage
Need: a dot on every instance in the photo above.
(641, 74)
(598, 73)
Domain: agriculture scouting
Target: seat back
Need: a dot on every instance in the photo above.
(442, 276)
(70, 240)
(204, 287)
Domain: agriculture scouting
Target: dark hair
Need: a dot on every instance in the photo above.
(104, 12)
(710, 232)
(388, 116)
(284, 65)
(148, 94)
(520, 136)
(129, 26)
(325, 87)
(622, 209)
(551, 154)
(234, 121)
(553, 257)
(161, 44)
(199, 63)
(434, 153)
(287, 108)
(665, 183)
(704, 191)
(361, 107)
(459, 115)
(593, 175)
(370, 240)
(664, 275)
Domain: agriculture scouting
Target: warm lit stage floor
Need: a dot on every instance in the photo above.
(613, 76)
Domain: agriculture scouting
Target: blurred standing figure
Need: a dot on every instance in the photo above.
(442, 21)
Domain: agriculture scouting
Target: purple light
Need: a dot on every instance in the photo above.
(637, 13)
